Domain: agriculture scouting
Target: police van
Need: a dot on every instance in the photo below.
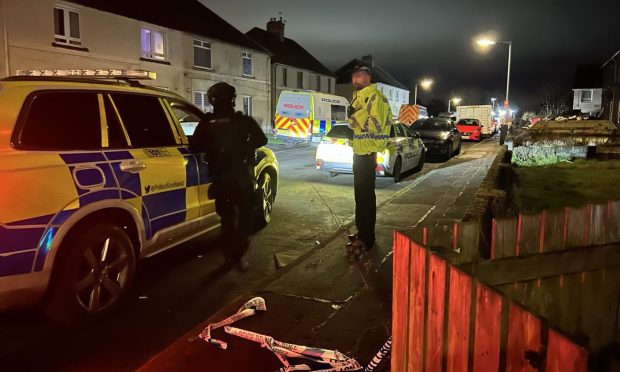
(305, 116)
(96, 174)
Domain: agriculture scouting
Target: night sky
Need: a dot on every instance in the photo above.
(415, 39)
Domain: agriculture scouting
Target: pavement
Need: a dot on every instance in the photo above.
(322, 299)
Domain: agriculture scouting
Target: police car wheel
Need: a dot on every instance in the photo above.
(94, 276)
(397, 172)
(267, 197)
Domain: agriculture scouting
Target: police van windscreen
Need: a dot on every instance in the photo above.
(296, 106)
(340, 131)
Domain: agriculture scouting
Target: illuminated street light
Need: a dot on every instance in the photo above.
(425, 84)
(485, 43)
(455, 100)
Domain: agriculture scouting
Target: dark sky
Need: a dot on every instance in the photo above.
(414, 39)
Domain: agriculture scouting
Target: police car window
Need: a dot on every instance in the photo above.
(62, 121)
(408, 132)
(116, 137)
(145, 120)
(187, 116)
(392, 131)
(399, 130)
(339, 113)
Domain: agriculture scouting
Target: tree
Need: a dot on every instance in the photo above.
(436, 106)
(554, 100)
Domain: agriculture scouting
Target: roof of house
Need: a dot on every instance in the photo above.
(588, 77)
(287, 52)
(189, 16)
(379, 75)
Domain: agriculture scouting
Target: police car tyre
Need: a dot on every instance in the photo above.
(94, 275)
(267, 197)
(397, 172)
(420, 165)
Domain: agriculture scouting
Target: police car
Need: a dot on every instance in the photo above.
(96, 174)
(405, 151)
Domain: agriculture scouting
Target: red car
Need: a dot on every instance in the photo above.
(470, 129)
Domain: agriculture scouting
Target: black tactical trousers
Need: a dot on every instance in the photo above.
(235, 204)
(365, 200)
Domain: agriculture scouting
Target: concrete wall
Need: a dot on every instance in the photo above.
(112, 41)
(588, 107)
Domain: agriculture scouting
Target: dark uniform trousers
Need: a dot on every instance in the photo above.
(364, 176)
(235, 204)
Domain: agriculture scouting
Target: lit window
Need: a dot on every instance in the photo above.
(153, 44)
(202, 54)
(247, 105)
(586, 96)
(201, 100)
(247, 64)
(67, 26)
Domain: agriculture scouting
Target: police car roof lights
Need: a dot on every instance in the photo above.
(92, 74)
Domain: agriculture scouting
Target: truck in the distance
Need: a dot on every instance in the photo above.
(482, 113)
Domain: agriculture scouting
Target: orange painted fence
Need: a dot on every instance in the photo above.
(593, 224)
(446, 319)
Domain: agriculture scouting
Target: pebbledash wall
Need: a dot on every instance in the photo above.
(112, 41)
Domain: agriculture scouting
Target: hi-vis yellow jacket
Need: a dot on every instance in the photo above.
(371, 120)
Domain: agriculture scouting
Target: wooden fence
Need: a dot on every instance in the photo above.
(446, 319)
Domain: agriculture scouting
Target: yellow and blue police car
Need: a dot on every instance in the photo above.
(405, 151)
(94, 175)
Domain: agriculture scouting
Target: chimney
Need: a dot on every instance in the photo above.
(368, 60)
(277, 27)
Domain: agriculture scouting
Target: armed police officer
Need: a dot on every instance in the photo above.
(229, 141)
(370, 118)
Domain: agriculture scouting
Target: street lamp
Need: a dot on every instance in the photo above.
(487, 43)
(455, 100)
(425, 84)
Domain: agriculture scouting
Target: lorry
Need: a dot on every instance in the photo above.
(482, 113)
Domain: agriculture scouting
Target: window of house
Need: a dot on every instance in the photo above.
(247, 64)
(145, 120)
(318, 83)
(300, 80)
(67, 26)
(284, 77)
(586, 96)
(202, 54)
(62, 121)
(247, 105)
(329, 85)
(153, 44)
(202, 101)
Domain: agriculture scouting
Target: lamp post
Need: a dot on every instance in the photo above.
(489, 43)
(455, 100)
(425, 83)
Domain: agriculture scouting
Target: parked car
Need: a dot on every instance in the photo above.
(95, 176)
(439, 135)
(405, 152)
(470, 129)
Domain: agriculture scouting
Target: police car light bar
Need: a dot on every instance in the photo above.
(105, 74)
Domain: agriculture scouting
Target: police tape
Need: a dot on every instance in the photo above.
(308, 358)
(385, 349)
(325, 360)
(248, 309)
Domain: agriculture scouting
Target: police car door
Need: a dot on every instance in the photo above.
(151, 172)
(404, 146)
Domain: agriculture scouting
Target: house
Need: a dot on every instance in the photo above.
(588, 90)
(611, 88)
(292, 66)
(186, 44)
(396, 93)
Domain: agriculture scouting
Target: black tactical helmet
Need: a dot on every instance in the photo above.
(221, 93)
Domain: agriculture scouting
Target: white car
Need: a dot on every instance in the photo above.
(405, 152)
